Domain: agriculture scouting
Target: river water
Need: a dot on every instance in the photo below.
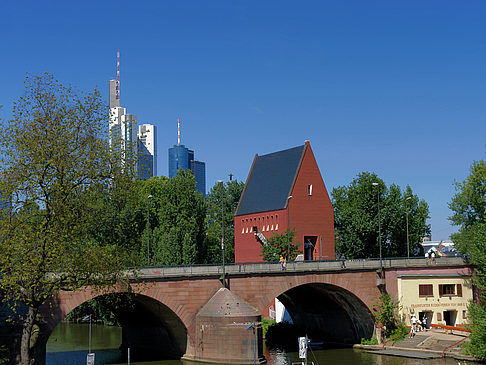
(68, 345)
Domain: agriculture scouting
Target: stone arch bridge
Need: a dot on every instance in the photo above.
(333, 299)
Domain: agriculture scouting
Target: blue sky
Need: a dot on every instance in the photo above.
(395, 88)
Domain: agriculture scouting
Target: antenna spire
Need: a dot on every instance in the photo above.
(118, 75)
(178, 131)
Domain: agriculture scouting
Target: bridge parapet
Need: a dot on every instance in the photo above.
(293, 267)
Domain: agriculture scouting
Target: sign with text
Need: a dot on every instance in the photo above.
(90, 359)
(302, 347)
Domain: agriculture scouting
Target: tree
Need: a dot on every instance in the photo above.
(53, 153)
(179, 237)
(228, 193)
(469, 203)
(117, 216)
(278, 245)
(469, 212)
(152, 187)
(356, 218)
(386, 313)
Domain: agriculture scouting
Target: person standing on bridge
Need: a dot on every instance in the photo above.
(282, 263)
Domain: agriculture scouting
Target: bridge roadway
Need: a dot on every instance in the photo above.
(184, 311)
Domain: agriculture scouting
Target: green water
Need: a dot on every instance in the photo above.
(68, 345)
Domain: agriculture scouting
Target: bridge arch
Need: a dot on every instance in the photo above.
(328, 312)
(151, 329)
(323, 300)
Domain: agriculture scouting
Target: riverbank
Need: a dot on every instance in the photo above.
(431, 343)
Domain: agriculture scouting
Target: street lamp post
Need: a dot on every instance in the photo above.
(379, 222)
(220, 182)
(408, 243)
(288, 228)
(148, 229)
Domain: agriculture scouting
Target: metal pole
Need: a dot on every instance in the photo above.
(148, 229)
(379, 229)
(129, 356)
(254, 344)
(220, 182)
(379, 223)
(89, 345)
(408, 243)
(288, 228)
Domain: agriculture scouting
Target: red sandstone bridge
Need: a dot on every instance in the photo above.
(182, 311)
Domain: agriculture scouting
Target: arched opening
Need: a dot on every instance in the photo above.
(149, 328)
(328, 313)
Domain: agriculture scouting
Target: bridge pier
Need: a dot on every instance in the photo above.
(228, 330)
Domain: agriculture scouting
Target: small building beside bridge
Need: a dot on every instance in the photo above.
(438, 295)
(285, 189)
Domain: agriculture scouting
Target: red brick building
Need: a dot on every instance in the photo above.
(281, 182)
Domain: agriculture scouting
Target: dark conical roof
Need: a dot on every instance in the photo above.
(226, 304)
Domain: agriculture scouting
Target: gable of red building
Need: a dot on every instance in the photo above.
(282, 182)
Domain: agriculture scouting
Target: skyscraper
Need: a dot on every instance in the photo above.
(147, 151)
(123, 126)
(181, 157)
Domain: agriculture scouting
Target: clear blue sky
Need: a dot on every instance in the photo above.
(395, 88)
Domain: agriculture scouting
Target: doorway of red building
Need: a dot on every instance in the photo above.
(309, 247)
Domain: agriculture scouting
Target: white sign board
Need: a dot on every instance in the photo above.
(90, 359)
(302, 348)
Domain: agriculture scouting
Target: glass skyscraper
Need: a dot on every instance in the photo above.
(147, 151)
(180, 157)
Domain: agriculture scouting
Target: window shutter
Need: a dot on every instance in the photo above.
(441, 291)
(459, 290)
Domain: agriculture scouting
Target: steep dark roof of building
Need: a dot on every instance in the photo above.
(270, 181)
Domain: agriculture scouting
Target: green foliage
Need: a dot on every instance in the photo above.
(369, 341)
(477, 345)
(399, 333)
(469, 203)
(278, 245)
(54, 157)
(469, 212)
(4, 355)
(356, 218)
(228, 193)
(179, 238)
(386, 313)
(116, 216)
(266, 324)
(98, 309)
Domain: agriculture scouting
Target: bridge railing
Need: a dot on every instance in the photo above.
(293, 266)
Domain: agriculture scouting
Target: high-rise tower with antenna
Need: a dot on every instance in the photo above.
(123, 127)
(181, 157)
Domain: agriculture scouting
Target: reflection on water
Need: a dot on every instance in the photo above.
(68, 345)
